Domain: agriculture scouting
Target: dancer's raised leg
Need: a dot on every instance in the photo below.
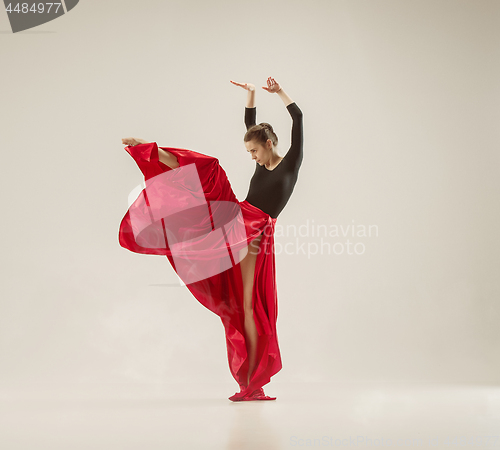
(164, 156)
(168, 158)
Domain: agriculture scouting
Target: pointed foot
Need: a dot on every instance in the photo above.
(258, 394)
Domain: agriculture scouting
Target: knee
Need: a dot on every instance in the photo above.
(247, 306)
(248, 310)
(247, 294)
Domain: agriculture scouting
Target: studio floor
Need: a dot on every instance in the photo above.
(312, 415)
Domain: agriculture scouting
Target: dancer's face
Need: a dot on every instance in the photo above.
(260, 153)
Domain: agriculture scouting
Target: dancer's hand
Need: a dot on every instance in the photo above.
(272, 86)
(133, 141)
(247, 86)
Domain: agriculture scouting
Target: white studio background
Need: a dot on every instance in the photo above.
(401, 106)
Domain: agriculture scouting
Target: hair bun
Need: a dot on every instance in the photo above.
(261, 133)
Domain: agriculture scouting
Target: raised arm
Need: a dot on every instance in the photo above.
(250, 111)
(250, 116)
(295, 153)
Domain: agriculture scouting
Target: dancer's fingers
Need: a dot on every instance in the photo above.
(238, 84)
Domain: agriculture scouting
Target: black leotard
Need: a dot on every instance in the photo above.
(270, 190)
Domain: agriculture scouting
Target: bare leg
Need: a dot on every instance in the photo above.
(168, 158)
(247, 265)
(164, 156)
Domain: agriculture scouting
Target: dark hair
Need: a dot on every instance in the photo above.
(261, 133)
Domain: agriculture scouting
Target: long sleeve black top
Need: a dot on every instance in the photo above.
(270, 190)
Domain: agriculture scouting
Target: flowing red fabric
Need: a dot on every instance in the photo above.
(191, 215)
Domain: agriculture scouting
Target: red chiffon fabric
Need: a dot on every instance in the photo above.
(191, 215)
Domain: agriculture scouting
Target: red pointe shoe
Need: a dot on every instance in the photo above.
(258, 394)
(238, 397)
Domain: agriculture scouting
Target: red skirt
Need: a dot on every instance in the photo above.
(191, 215)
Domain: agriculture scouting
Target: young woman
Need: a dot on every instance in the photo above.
(222, 249)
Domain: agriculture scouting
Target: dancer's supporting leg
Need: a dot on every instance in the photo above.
(247, 265)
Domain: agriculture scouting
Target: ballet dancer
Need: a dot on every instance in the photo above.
(270, 189)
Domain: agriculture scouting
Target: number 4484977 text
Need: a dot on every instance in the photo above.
(35, 7)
